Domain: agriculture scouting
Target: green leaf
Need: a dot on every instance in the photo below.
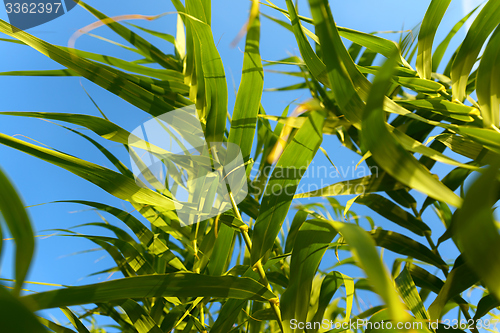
(487, 137)
(408, 292)
(460, 278)
(329, 286)
(221, 251)
(311, 243)
(467, 147)
(426, 280)
(488, 81)
(171, 285)
(54, 327)
(443, 107)
(213, 72)
(401, 244)
(17, 220)
(476, 231)
(362, 247)
(441, 48)
(50, 72)
(481, 28)
(285, 179)
(394, 213)
(247, 105)
(485, 305)
(430, 24)
(313, 62)
(375, 183)
(231, 309)
(75, 321)
(339, 65)
(141, 320)
(297, 222)
(389, 153)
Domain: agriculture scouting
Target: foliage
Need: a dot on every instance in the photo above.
(238, 272)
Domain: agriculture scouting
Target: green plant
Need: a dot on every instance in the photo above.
(174, 274)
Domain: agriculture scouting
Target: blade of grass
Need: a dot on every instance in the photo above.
(488, 82)
(481, 28)
(428, 28)
(17, 220)
(476, 231)
(172, 285)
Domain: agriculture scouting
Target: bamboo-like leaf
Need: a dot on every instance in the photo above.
(393, 213)
(441, 48)
(75, 321)
(136, 260)
(487, 19)
(313, 62)
(310, 245)
(221, 251)
(141, 320)
(370, 41)
(488, 81)
(485, 305)
(460, 278)
(172, 285)
(112, 158)
(352, 86)
(172, 76)
(443, 107)
(467, 148)
(369, 184)
(154, 244)
(430, 24)
(453, 180)
(487, 137)
(329, 286)
(426, 280)
(50, 72)
(475, 222)
(408, 292)
(17, 220)
(102, 127)
(285, 179)
(338, 62)
(389, 154)
(246, 108)
(297, 222)
(401, 244)
(213, 73)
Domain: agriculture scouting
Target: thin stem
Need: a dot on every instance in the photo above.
(258, 265)
(248, 242)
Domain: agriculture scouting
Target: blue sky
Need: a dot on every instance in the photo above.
(40, 182)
